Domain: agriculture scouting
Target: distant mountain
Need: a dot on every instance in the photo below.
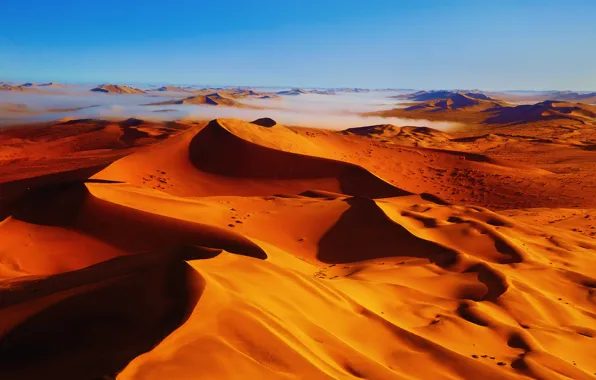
(458, 101)
(589, 97)
(20, 88)
(423, 96)
(354, 90)
(293, 92)
(539, 96)
(52, 84)
(7, 87)
(215, 99)
(465, 109)
(542, 111)
(243, 93)
(117, 89)
(171, 89)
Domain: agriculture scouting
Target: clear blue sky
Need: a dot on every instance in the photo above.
(509, 44)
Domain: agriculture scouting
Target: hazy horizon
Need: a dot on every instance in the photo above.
(276, 88)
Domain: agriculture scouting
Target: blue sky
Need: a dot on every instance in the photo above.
(509, 44)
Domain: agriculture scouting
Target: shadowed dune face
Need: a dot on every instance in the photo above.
(230, 250)
(92, 324)
(248, 160)
(380, 237)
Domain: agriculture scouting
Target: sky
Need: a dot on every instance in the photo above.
(457, 44)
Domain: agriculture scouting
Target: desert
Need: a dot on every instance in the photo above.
(274, 245)
(294, 224)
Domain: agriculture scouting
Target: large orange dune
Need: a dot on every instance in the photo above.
(235, 250)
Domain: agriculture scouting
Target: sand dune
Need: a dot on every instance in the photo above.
(33, 151)
(295, 91)
(21, 88)
(458, 101)
(214, 99)
(417, 136)
(235, 250)
(570, 96)
(48, 84)
(539, 96)
(52, 84)
(478, 112)
(457, 176)
(424, 96)
(300, 91)
(9, 87)
(171, 88)
(547, 110)
(253, 165)
(117, 89)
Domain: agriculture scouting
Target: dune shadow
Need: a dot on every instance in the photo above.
(12, 190)
(216, 150)
(365, 232)
(100, 317)
(72, 206)
(57, 205)
(265, 122)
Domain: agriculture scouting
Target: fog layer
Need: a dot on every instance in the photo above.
(339, 111)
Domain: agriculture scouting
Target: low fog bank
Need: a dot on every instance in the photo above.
(339, 111)
(338, 103)
(70, 99)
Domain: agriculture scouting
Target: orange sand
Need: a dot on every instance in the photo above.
(233, 250)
